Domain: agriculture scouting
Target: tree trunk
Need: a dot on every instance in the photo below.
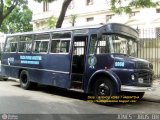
(62, 13)
(1, 20)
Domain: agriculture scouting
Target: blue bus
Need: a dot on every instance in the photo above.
(99, 60)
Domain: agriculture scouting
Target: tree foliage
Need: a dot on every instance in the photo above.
(18, 21)
(52, 22)
(120, 6)
(7, 6)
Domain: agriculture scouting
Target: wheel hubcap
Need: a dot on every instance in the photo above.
(103, 89)
(24, 79)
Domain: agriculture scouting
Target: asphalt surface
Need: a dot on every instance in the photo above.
(49, 100)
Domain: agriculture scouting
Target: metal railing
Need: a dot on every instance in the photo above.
(149, 48)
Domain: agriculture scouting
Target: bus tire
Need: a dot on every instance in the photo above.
(5, 79)
(103, 87)
(25, 83)
(140, 94)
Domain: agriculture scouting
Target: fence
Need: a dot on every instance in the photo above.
(149, 48)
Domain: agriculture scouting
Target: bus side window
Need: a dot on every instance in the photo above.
(55, 46)
(25, 43)
(11, 45)
(60, 46)
(41, 42)
(60, 42)
(36, 46)
(44, 46)
(93, 44)
(64, 46)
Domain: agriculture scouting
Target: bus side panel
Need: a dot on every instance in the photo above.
(102, 61)
(49, 69)
(9, 71)
(8, 67)
(50, 78)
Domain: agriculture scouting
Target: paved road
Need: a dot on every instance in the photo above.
(49, 100)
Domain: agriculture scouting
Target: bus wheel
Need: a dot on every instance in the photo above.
(24, 80)
(5, 79)
(140, 94)
(103, 90)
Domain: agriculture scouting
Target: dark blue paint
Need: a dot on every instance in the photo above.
(44, 71)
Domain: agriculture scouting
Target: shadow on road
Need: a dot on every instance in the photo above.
(59, 92)
(77, 95)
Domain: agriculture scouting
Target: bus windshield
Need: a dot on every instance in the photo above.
(114, 44)
(121, 44)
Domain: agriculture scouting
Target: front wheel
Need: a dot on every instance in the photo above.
(25, 83)
(104, 90)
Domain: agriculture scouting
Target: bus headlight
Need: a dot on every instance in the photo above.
(132, 77)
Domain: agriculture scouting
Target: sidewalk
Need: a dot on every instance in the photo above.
(153, 96)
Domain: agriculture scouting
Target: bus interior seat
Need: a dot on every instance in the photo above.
(75, 64)
(78, 63)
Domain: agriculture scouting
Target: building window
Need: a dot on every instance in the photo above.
(108, 17)
(71, 5)
(90, 19)
(89, 2)
(45, 6)
(158, 10)
(133, 13)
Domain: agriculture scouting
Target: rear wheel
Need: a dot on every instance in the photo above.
(25, 83)
(104, 90)
(5, 79)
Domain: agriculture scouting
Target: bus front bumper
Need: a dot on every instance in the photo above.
(136, 88)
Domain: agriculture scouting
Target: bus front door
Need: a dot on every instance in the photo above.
(78, 62)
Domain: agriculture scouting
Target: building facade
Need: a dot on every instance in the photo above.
(89, 12)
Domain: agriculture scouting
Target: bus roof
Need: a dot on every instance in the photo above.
(110, 27)
(58, 30)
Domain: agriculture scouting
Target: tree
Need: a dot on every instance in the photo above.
(7, 6)
(117, 6)
(17, 21)
(52, 22)
(73, 18)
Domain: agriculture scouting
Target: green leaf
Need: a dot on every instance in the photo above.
(118, 7)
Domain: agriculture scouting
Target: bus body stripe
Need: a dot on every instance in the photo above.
(36, 69)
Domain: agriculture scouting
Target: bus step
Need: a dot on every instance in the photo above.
(77, 77)
(80, 82)
(77, 84)
(80, 74)
(77, 90)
